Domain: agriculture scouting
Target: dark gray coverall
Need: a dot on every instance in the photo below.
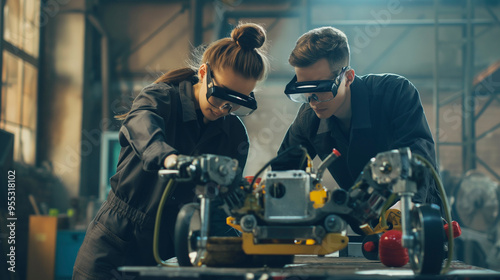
(163, 120)
(386, 114)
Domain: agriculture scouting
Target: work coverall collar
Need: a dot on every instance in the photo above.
(360, 108)
(186, 93)
(360, 105)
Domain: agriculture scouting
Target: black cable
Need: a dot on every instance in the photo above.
(304, 157)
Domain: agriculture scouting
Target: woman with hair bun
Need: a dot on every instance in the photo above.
(189, 111)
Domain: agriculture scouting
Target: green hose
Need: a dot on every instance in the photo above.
(446, 207)
(156, 237)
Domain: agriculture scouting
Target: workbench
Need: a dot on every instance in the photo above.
(307, 267)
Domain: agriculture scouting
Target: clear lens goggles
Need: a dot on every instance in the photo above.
(222, 98)
(319, 91)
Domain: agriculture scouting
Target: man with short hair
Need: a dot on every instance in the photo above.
(360, 116)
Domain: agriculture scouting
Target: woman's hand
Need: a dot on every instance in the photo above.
(170, 161)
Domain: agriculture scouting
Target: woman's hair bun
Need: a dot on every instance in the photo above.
(249, 36)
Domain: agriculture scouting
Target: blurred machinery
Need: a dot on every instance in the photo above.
(476, 201)
(476, 204)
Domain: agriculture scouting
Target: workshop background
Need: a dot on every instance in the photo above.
(69, 66)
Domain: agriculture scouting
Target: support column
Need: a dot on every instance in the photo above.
(468, 99)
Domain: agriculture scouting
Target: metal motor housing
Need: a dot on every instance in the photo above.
(286, 197)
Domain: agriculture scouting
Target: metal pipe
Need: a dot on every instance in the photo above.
(105, 80)
(407, 238)
(97, 24)
(451, 143)
(197, 22)
(405, 22)
(104, 68)
(305, 18)
(493, 15)
(152, 35)
(487, 167)
(485, 106)
(389, 50)
(436, 78)
(2, 5)
(205, 221)
(468, 100)
(263, 14)
(20, 53)
(219, 11)
(484, 134)
(451, 98)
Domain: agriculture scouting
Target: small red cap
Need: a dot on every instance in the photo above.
(337, 153)
(369, 246)
(250, 178)
(457, 231)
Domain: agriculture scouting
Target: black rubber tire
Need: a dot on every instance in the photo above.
(427, 254)
(373, 256)
(183, 232)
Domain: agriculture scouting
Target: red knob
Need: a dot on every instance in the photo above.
(369, 246)
(391, 251)
(457, 231)
(336, 152)
(250, 179)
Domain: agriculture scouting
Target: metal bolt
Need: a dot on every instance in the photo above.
(248, 223)
(386, 167)
(334, 223)
(223, 170)
(330, 223)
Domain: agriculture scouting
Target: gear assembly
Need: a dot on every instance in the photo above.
(288, 213)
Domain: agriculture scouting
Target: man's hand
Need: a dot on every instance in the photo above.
(170, 161)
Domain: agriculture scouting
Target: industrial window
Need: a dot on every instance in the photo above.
(18, 111)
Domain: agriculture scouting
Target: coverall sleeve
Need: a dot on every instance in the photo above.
(241, 142)
(144, 127)
(410, 129)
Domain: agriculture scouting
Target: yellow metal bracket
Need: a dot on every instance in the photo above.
(332, 242)
(392, 216)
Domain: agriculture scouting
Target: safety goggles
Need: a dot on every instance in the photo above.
(234, 102)
(319, 91)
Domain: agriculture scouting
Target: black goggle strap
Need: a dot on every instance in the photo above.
(341, 75)
(310, 86)
(235, 97)
(210, 83)
(315, 86)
